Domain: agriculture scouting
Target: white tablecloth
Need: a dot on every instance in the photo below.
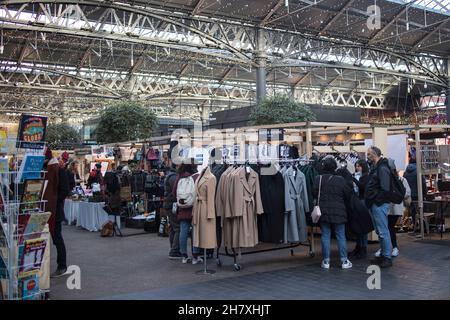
(89, 215)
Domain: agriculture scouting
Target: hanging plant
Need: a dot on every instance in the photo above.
(280, 109)
(62, 136)
(125, 121)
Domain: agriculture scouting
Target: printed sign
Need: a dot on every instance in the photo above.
(31, 134)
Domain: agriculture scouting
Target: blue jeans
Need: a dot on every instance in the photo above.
(339, 230)
(362, 240)
(380, 221)
(185, 227)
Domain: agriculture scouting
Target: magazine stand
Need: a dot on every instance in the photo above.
(25, 247)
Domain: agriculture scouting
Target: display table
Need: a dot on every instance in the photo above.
(88, 215)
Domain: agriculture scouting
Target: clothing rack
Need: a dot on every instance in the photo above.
(291, 246)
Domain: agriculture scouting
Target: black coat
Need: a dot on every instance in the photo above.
(359, 219)
(72, 179)
(169, 181)
(335, 194)
(271, 223)
(62, 193)
(411, 176)
(379, 186)
(362, 184)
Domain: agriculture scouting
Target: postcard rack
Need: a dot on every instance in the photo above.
(24, 237)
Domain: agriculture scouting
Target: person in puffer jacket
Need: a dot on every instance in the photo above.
(334, 193)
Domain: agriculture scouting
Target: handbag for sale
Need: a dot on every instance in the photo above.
(125, 193)
(316, 213)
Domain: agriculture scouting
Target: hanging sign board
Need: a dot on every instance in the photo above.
(31, 134)
(266, 135)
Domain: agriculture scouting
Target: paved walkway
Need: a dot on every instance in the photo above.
(138, 268)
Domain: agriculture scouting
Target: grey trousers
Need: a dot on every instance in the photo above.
(174, 234)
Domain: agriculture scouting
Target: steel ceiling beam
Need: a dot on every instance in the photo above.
(429, 35)
(336, 17)
(198, 7)
(390, 23)
(272, 12)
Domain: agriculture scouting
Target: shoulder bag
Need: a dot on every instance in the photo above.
(316, 213)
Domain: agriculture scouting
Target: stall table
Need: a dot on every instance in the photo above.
(88, 215)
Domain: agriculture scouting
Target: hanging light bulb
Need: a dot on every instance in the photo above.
(425, 85)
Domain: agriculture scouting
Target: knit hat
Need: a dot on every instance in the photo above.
(48, 154)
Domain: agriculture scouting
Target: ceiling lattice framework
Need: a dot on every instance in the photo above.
(72, 58)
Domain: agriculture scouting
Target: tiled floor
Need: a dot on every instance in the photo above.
(138, 268)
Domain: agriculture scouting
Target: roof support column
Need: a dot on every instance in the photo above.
(261, 61)
(447, 92)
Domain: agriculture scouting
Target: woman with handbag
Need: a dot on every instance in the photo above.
(332, 193)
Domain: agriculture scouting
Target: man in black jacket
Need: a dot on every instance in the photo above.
(376, 197)
(174, 225)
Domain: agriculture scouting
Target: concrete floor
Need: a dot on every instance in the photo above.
(138, 268)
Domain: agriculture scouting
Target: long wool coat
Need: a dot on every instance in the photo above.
(271, 223)
(242, 203)
(204, 211)
(296, 202)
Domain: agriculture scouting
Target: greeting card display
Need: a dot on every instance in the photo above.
(32, 195)
(31, 254)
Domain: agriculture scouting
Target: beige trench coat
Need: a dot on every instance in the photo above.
(204, 211)
(247, 205)
(242, 205)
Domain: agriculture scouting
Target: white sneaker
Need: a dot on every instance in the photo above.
(378, 253)
(325, 264)
(185, 260)
(395, 252)
(198, 260)
(346, 264)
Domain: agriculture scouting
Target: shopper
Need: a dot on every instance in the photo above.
(376, 197)
(52, 198)
(411, 176)
(112, 192)
(395, 212)
(74, 176)
(360, 180)
(95, 176)
(63, 192)
(334, 192)
(184, 215)
(168, 206)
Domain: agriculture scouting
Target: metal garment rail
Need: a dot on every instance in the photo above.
(237, 266)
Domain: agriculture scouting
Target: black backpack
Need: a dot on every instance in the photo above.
(152, 184)
(397, 190)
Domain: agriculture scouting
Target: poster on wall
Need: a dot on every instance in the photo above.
(3, 140)
(31, 133)
(397, 149)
